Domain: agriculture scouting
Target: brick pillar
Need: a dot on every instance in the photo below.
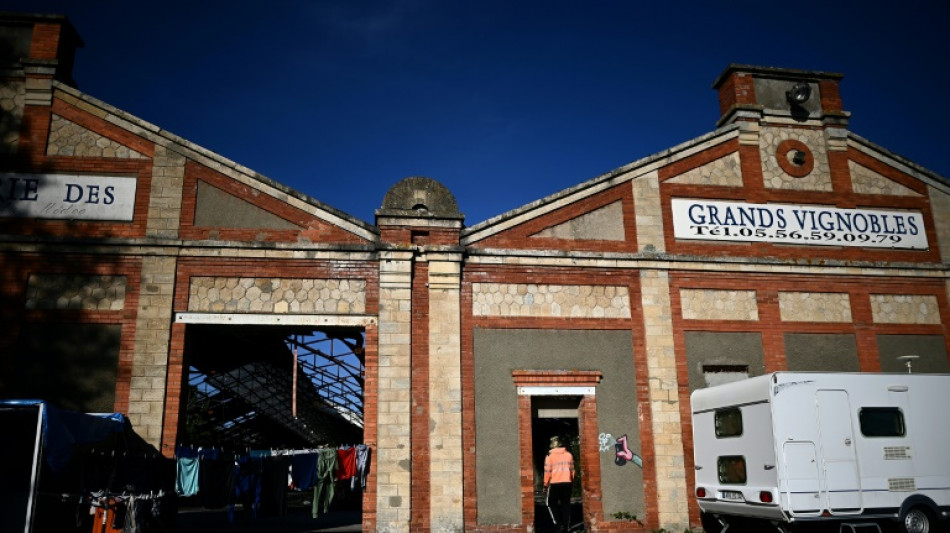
(393, 459)
(155, 316)
(150, 360)
(164, 200)
(672, 495)
(648, 207)
(445, 392)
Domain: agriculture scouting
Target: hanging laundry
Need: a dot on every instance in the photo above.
(324, 491)
(247, 486)
(274, 486)
(259, 454)
(362, 466)
(347, 460)
(215, 482)
(186, 483)
(303, 470)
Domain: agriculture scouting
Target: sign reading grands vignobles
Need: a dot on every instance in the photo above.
(817, 225)
(71, 197)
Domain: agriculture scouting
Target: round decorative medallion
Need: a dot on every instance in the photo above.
(795, 158)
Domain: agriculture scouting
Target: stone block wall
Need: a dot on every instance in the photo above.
(543, 300)
(664, 386)
(276, 295)
(394, 459)
(74, 291)
(905, 309)
(67, 138)
(12, 97)
(152, 337)
(814, 307)
(866, 181)
(722, 172)
(774, 177)
(712, 304)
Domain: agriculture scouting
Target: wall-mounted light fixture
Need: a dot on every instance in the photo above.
(798, 94)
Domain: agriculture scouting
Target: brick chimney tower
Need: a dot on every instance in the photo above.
(750, 93)
(35, 50)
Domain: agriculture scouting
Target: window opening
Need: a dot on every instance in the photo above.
(731, 469)
(881, 422)
(242, 393)
(722, 374)
(728, 422)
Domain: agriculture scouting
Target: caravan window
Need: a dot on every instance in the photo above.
(881, 422)
(731, 469)
(728, 422)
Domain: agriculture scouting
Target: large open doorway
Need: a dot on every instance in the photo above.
(555, 416)
(269, 403)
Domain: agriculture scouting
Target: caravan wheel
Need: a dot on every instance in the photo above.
(917, 520)
(711, 524)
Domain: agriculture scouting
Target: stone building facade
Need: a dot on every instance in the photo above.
(779, 240)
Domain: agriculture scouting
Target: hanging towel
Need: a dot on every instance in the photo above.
(186, 484)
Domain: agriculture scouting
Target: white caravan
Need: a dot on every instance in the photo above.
(800, 447)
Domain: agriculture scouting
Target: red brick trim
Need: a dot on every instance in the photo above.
(420, 506)
(311, 229)
(795, 171)
(830, 96)
(45, 40)
(521, 236)
(370, 422)
(175, 393)
(557, 378)
(887, 171)
(102, 127)
(15, 270)
(588, 427)
(276, 268)
(697, 160)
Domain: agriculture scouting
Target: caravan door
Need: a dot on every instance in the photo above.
(841, 490)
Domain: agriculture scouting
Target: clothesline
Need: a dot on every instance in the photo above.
(183, 450)
(220, 478)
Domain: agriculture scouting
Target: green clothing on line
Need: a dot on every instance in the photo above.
(324, 489)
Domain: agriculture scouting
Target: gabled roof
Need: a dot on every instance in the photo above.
(595, 185)
(640, 167)
(215, 162)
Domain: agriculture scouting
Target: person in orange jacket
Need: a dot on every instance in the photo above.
(559, 482)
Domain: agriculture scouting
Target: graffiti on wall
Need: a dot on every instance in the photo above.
(622, 452)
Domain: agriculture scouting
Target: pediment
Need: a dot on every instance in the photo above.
(866, 181)
(215, 208)
(601, 224)
(67, 138)
(600, 221)
(227, 208)
(722, 172)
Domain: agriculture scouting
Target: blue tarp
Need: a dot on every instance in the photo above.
(64, 430)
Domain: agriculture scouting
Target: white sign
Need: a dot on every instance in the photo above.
(71, 197)
(814, 225)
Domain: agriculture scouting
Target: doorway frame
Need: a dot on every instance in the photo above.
(576, 383)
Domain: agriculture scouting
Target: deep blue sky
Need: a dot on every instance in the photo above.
(503, 101)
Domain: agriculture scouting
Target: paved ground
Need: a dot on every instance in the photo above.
(295, 521)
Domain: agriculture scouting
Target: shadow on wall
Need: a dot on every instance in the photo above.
(32, 361)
